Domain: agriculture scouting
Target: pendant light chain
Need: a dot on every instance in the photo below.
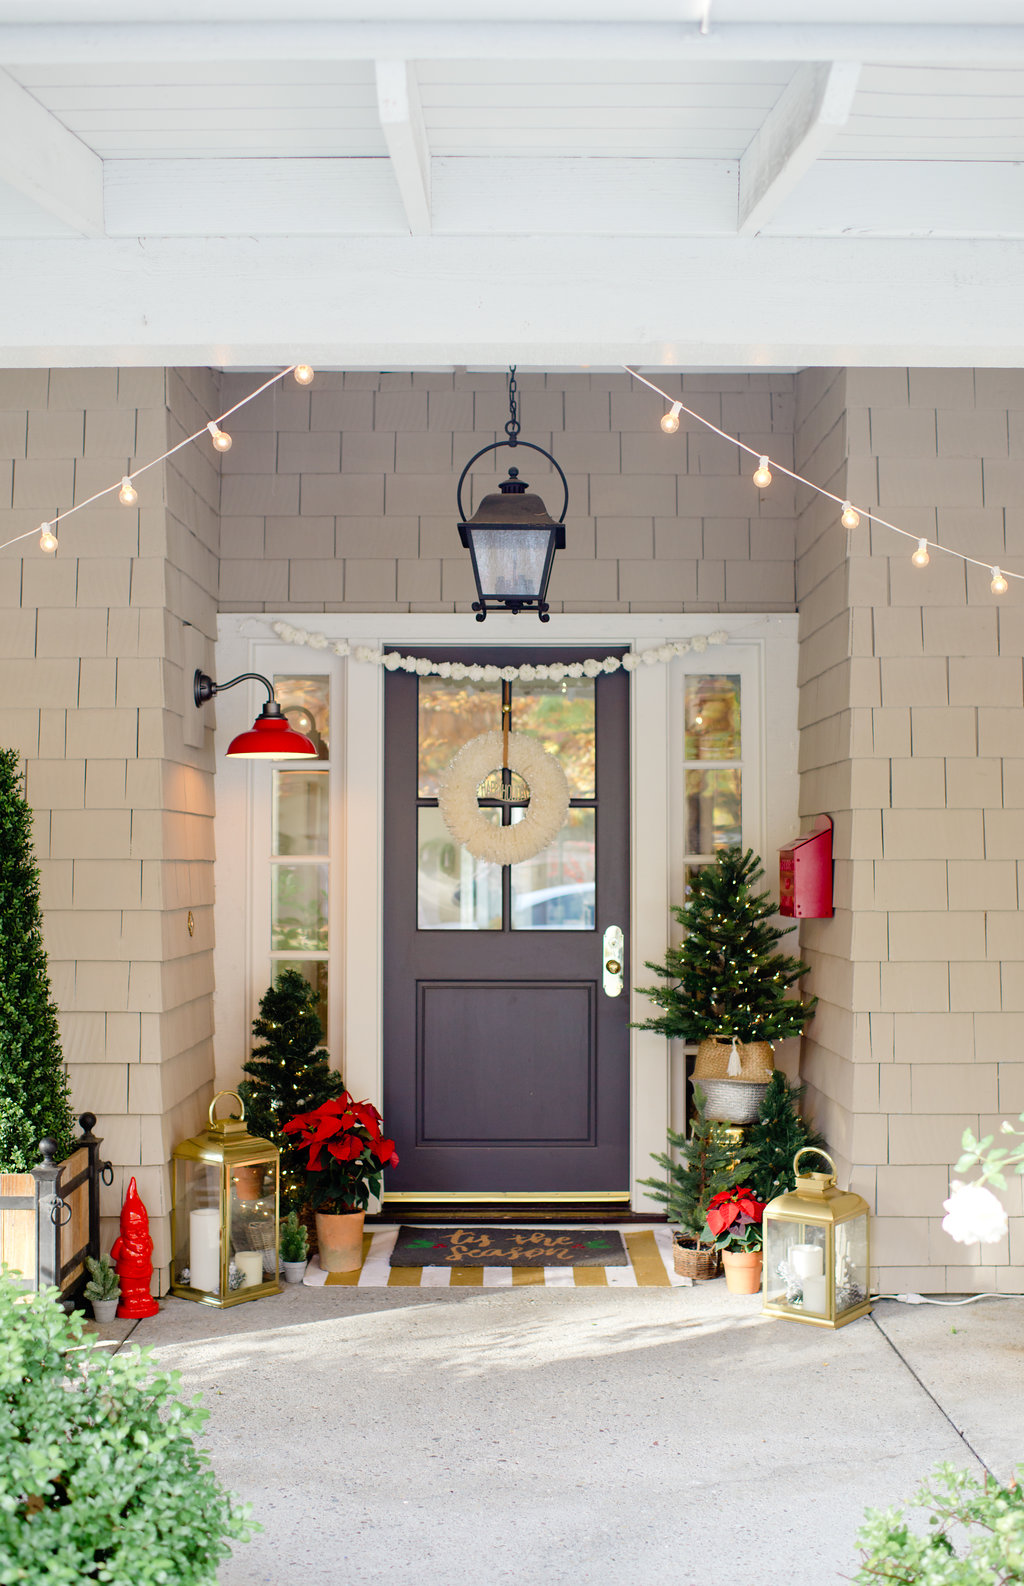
(512, 427)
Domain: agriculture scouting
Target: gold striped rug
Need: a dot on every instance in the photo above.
(650, 1266)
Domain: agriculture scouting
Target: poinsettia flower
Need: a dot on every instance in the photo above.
(722, 1217)
(368, 1116)
(384, 1150)
(346, 1150)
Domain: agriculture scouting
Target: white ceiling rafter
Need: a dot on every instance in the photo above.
(401, 118)
(45, 163)
(806, 118)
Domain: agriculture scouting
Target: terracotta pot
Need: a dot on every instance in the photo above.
(249, 1181)
(340, 1237)
(742, 1270)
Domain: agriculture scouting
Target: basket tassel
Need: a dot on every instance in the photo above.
(735, 1068)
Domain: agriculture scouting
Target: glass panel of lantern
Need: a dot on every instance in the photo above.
(225, 1214)
(816, 1251)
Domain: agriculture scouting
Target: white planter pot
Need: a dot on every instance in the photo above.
(294, 1271)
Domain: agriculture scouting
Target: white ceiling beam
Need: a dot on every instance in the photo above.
(401, 119)
(811, 110)
(410, 302)
(83, 44)
(905, 198)
(46, 163)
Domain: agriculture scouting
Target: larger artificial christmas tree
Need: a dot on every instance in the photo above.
(34, 1096)
(726, 979)
(290, 1073)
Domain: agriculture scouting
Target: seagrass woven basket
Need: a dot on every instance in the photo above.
(757, 1061)
(698, 1264)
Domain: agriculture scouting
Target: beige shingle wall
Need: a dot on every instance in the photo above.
(913, 737)
(94, 652)
(342, 496)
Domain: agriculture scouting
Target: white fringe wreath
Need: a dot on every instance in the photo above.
(469, 824)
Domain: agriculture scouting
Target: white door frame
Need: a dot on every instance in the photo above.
(247, 643)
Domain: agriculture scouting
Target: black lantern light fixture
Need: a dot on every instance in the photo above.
(511, 537)
(270, 737)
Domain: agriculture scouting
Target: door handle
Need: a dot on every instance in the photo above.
(612, 955)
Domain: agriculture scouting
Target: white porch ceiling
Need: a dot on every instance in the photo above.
(674, 182)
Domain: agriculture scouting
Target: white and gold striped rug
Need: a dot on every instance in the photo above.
(649, 1251)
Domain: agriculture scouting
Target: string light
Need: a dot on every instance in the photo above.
(303, 374)
(998, 586)
(762, 474)
(221, 440)
(127, 494)
(851, 517)
(920, 557)
(670, 420)
(47, 538)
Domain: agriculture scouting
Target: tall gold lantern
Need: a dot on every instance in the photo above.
(817, 1257)
(225, 1213)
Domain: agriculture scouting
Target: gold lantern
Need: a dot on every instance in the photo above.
(225, 1211)
(816, 1251)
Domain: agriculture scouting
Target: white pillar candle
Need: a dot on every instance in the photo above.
(204, 1249)
(250, 1265)
(814, 1296)
(807, 1261)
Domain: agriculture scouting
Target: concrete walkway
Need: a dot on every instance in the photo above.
(471, 1436)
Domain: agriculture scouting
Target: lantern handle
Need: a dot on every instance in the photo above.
(814, 1150)
(216, 1099)
(496, 446)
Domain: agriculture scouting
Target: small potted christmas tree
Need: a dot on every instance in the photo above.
(703, 1166)
(727, 987)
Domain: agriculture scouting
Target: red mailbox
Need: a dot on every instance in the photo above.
(805, 874)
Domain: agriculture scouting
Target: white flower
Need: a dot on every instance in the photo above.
(424, 667)
(342, 647)
(718, 637)
(491, 674)
(575, 669)
(285, 631)
(665, 653)
(700, 644)
(527, 673)
(974, 1215)
(630, 661)
(509, 673)
(444, 669)
(611, 663)
(541, 673)
(649, 657)
(591, 668)
(408, 663)
(458, 670)
(557, 672)
(475, 673)
(392, 661)
(318, 641)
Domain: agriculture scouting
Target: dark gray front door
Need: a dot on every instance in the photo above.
(506, 1065)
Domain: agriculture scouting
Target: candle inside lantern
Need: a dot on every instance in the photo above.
(204, 1249)
(250, 1265)
(808, 1261)
(814, 1295)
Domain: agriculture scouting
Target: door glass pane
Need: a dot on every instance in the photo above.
(300, 812)
(555, 891)
(450, 713)
(315, 971)
(713, 811)
(298, 908)
(454, 891)
(561, 715)
(306, 701)
(712, 717)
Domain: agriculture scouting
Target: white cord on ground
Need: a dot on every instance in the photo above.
(920, 1299)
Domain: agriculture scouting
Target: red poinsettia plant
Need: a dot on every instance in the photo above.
(734, 1220)
(347, 1153)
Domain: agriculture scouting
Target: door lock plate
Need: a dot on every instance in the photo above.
(612, 957)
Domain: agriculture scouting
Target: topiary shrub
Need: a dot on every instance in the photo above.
(100, 1479)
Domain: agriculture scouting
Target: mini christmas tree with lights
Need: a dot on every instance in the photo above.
(726, 980)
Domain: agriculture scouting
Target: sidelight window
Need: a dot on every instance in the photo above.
(300, 842)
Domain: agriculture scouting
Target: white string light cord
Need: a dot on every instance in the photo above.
(126, 491)
(850, 515)
(921, 1299)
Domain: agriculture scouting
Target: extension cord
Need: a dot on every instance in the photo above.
(921, 1299)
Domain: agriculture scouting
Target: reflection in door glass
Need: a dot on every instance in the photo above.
(450, 713)
(298, 908)
(554, 891)
(712, 717)
(306, 701)
(561, 715)
(454, 891)
(300, 812)
(713, 811)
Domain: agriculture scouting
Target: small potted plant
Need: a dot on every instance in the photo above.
(704, 1164)
(734, 1227)
(347, 1153)
(103, 1289)
(294, 1248)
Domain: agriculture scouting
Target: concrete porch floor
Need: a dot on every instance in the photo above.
(537, 1435)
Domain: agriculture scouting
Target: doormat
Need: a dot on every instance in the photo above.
(649, 1264)
(508, 1247)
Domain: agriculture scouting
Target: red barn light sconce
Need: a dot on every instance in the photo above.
(511, 538)
(270, 737)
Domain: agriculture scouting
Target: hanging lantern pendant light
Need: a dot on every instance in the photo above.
(511, 538)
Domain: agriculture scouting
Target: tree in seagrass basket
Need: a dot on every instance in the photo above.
(775, 1139)
(290, 1073)
(726, 979)
(703, 1165)
(34, 1096)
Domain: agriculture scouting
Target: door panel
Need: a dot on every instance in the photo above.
(506, 1066)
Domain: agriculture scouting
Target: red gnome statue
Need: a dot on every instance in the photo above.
(132, 1251)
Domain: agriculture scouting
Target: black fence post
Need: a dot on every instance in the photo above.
(50, 1218)
(97, 1170)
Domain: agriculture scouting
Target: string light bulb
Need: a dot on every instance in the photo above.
(670, 420)
(920, 557)
(998, 586)
(762, 474)
(221, 440)
(127, 495)
(47, 538)
(851, 517)
(303, 374)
